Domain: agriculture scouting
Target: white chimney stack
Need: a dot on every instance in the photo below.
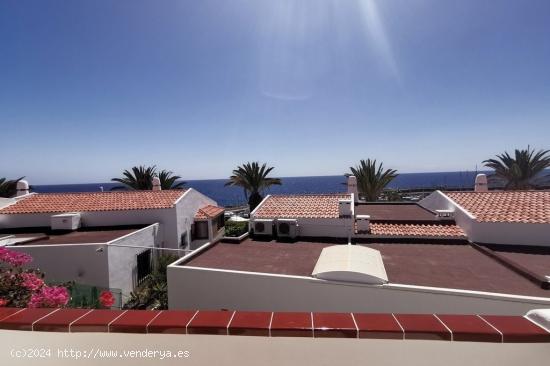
(352, 186)
(481, 183)
(156, 184)
(22, 188)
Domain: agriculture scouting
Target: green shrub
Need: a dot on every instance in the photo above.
(236, 228)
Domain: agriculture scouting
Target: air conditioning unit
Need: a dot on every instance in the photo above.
(262, 226)
(445, 214)
(65, 221)
(363, 222)
(287, 228)
(344, 208)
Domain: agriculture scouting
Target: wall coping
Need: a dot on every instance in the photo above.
(445, 327)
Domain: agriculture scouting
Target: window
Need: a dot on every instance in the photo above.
(200, 230)
(143, 265)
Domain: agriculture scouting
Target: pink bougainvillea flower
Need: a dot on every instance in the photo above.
(49, 297)
(106, 299)
(3, 302)
(31, 281)
(14, 258)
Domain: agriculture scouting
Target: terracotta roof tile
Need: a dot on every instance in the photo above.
(96, 201)
(426, 230)
(208, 212)
(531, 207)
(301, 206)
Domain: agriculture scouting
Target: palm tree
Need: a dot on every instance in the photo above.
(141, 178)
(520, 171)
(8, 188)
(169, 181)
(371, 180)
(253, 179)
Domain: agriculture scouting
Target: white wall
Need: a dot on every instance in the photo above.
(193, 288)
(113, 267)
(76, 262)
(330, 228)
(123, 260)
(489, 232)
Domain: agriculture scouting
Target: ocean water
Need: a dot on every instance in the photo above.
(228, 196)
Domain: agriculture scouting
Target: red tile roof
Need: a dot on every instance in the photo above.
(97, 201)
(416, 230)
(208, 212)
(531, 207)
(323, 206)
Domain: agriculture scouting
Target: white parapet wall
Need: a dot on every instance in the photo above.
(106, 265)
(202, 288)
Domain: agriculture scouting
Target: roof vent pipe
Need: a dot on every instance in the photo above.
(156, 184)
(481, 183)
(22, 188)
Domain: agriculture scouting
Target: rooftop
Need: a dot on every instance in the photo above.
(458, 266)
(297, 206)
(395, 212)
(531, 207)
(45, 236)
(208, 212)
(96, 201)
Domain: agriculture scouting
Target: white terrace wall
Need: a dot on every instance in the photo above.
(123, 260)
(489, 232)
(70, 262)
(95, 264)
(194, 288)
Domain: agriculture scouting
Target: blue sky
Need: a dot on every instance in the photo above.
(89, 88)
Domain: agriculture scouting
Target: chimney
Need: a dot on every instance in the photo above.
(352, 186)
(22, 188)
(481, 183)
(156, 184)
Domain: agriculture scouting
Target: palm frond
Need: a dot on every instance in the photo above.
(372, 178)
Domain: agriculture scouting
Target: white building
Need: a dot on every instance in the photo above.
(104, 239)
(435, 256)
(173, 210)
(496, 217)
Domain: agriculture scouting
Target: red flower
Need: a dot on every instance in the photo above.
(3, 302)
(106, 299)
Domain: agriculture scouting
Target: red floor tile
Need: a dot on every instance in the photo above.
(96, 321)
(382, 326)
(470, 328)
(210, 322)
(340, 325)
(291, 325)
(423, 326)
(171, 321)
(250, 323)
(23, 320)
(5, 312)
(60, 320)
(517, 329)
(133, 321)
